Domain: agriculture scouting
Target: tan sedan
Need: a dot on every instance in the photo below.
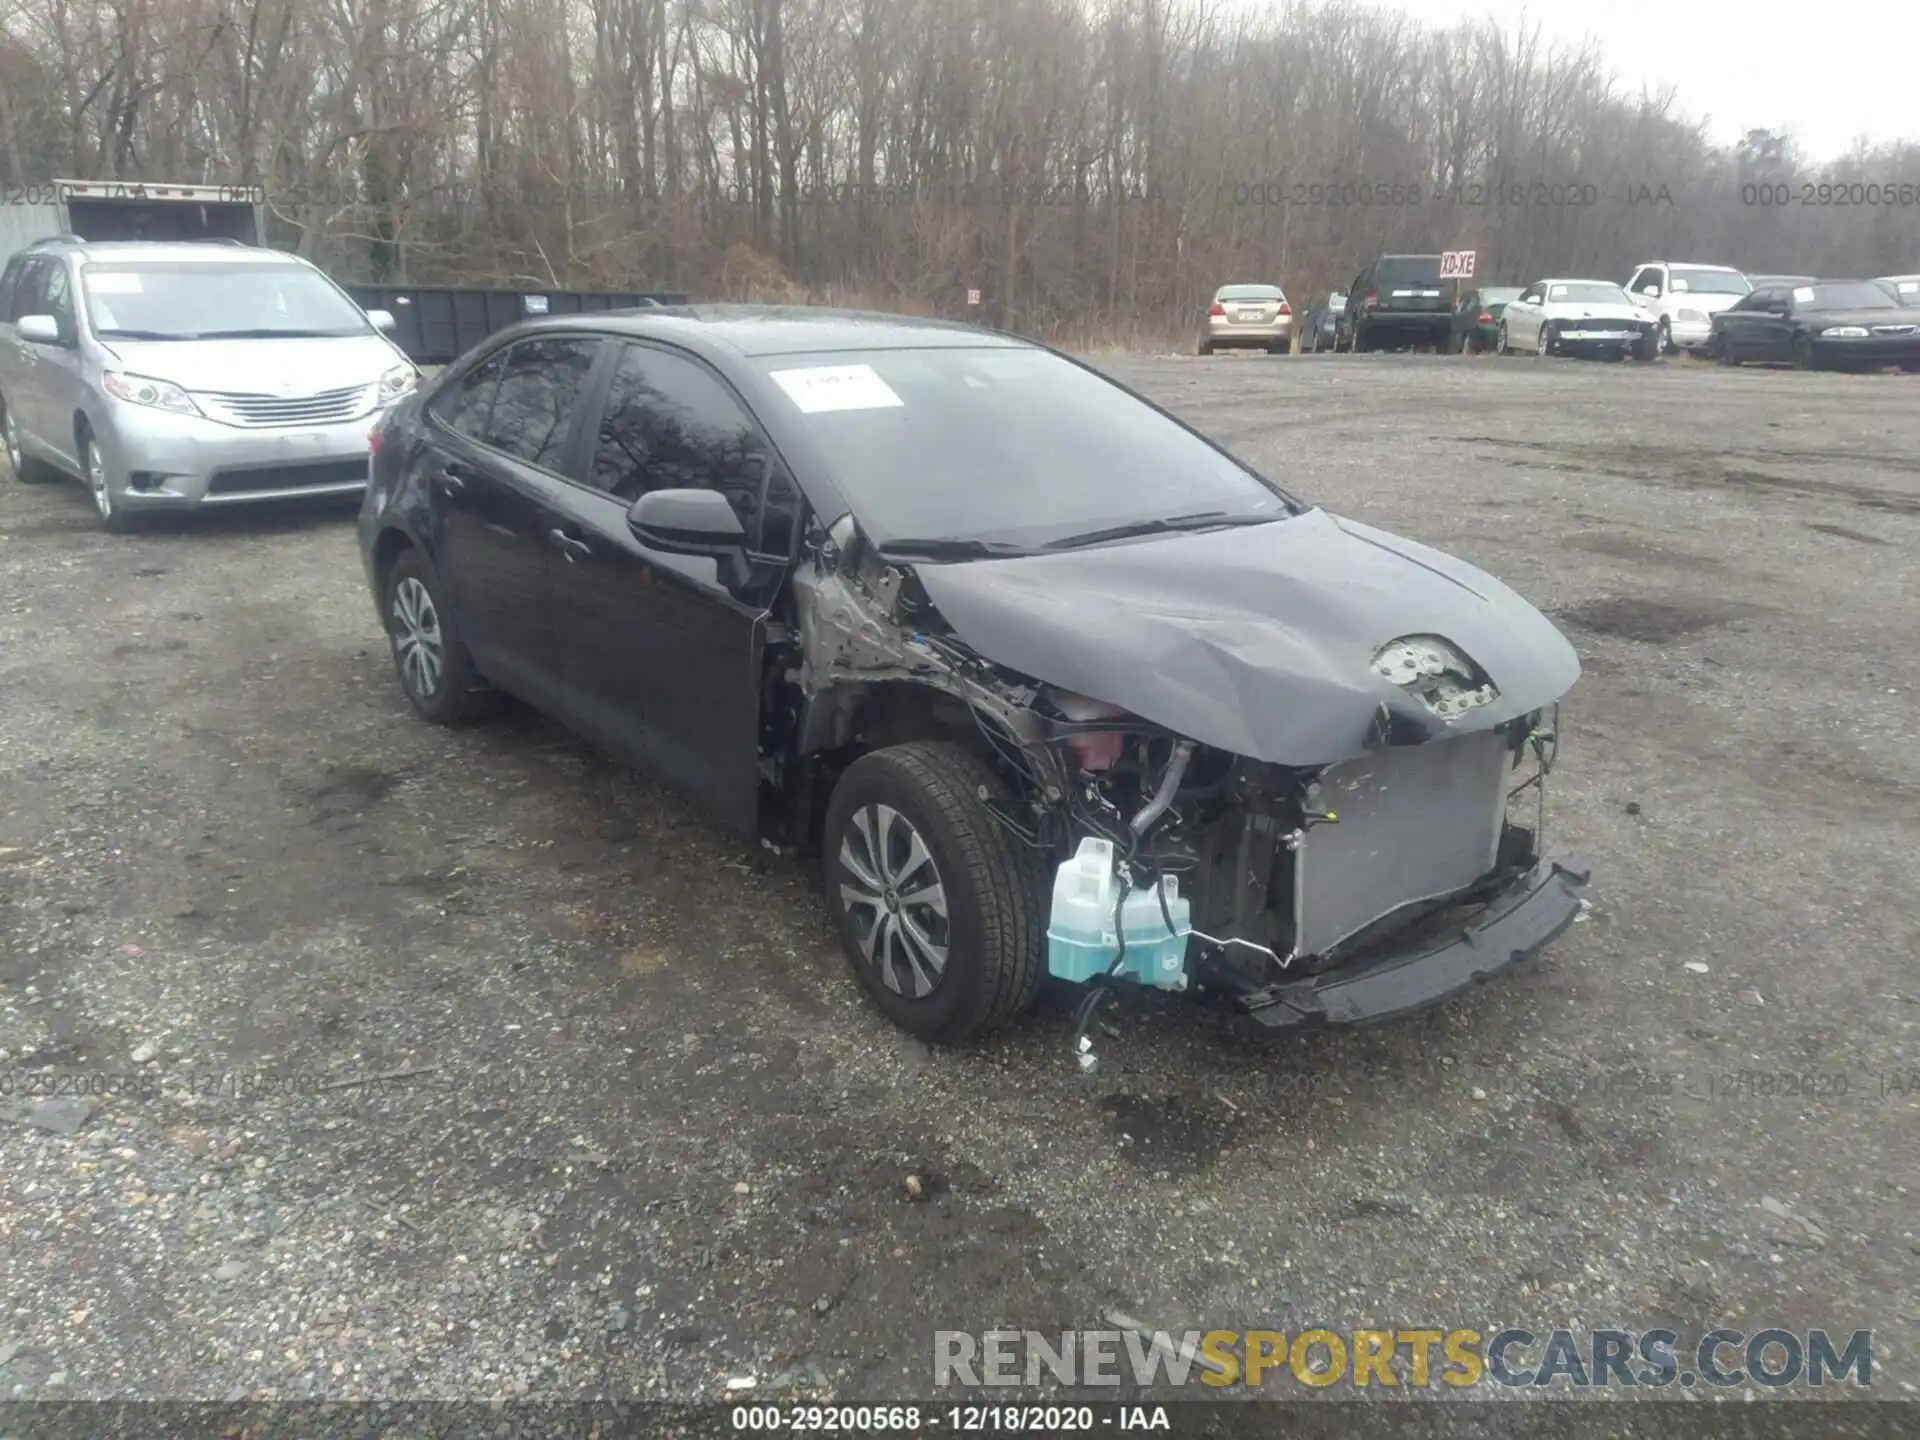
(1247, 317)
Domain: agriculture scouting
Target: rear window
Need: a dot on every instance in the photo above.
(1249, 292)
(1499, 296)
(1402, 269)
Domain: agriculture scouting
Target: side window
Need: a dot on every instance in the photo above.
(1529, 296)
(467, 404)
(671, 425)
(31, 287)
(9, 282)
(59, 297)
(539, 384)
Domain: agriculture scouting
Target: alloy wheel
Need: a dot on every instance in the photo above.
(416, 638)
(895, 900)
(96, 469)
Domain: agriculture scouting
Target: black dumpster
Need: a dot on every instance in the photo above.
(437, 323)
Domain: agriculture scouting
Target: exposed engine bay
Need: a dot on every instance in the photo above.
(1280, 871)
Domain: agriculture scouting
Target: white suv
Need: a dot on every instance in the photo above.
(1683, 298)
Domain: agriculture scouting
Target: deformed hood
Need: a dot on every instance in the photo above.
(1257, 640)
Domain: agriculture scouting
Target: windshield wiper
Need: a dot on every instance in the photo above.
(140, 335)
(274, 334)
(1202, 520)
(950, 548)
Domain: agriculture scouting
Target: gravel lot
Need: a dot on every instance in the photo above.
(468, 1064)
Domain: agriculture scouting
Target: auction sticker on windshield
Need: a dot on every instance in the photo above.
(1803, 294)
(819, 388)
(113, 284)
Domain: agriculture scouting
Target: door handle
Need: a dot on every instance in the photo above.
(450, 480)
(568, 546)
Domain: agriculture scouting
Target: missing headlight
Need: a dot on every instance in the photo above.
(1445, 681)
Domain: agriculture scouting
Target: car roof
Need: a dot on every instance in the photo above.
(1897, 277)
(175, 252)
(1574, 280)
(782, 329)
(1694, 265)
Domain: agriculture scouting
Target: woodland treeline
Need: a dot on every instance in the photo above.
(1093, 167)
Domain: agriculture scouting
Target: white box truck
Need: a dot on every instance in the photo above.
(130, 210)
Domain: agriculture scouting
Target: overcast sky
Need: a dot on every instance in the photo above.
(1743, 64)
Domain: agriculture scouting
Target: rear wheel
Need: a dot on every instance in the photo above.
(27, 472)
(940, 909)
(435, 670)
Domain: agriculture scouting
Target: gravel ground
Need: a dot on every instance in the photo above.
(467, 1064)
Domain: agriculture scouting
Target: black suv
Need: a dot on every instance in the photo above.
(1398, 300)
(956, 611)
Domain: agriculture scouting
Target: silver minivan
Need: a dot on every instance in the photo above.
(177, 375)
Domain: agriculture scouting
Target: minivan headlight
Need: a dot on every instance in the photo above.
(397, 382)
(142, 390)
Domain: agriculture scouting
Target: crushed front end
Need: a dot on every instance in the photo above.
(1345, 893)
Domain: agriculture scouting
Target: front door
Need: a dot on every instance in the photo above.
(662, 651)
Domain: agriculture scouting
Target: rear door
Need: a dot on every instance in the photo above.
(499, 442)
(20, 364)
(662, 651)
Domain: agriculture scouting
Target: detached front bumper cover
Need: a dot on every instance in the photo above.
(1517, 923)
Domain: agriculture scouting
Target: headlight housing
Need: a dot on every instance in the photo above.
(143, 390)
(1846, 332)
(1433, 671)
(1693, 317)
(397, 382)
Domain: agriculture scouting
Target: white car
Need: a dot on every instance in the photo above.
(1569, 317)
(1682, 299)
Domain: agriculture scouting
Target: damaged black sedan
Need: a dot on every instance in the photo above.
(1052, 684)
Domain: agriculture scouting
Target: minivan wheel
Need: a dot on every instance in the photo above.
(435, 670)
(939, 906)
(93, 466)
(26, 471)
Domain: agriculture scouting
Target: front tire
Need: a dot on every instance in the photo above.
(1544, 343)
(1724, 353)
(940, 908)
(1503, 342)
(114, 519)
(435, 670)
(1663, 339)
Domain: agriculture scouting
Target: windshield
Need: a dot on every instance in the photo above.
(1336, 301)
(1248, 292)
(1406, 269)
(1588, 292)
(1010, 446)
(1857, 295)
(1906, 287)
(1708, 282)
(197, 300)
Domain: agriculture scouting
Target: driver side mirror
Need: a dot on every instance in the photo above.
(383, 321)
(1652, 292)
(41, 329)
(687, 522)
